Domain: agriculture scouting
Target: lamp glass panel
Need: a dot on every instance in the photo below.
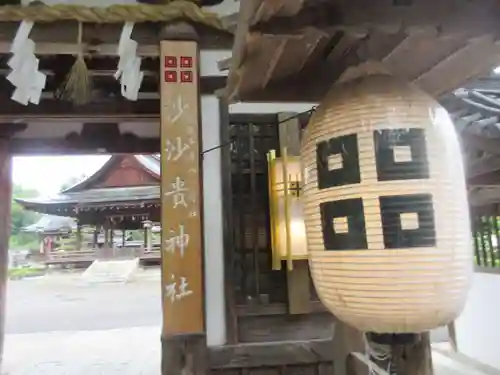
(297, 225)
(297, 229)
(293, 170)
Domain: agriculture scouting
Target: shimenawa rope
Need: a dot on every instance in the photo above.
(178, 9)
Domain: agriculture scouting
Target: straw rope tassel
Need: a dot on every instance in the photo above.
(77, 86)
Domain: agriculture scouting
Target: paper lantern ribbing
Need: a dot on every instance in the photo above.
(385, 208)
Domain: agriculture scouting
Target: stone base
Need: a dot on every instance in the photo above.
(184, 355)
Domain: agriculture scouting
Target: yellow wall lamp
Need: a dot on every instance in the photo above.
(288, 231)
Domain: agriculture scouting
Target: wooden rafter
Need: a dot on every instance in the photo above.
(266, 10)
(450, 15)
(480, 53)
(438, 45)
(482, 166)
(481, 143)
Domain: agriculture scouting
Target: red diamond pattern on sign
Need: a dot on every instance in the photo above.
(186, 62)
(170, 62)
(170, 76)
(186, 76)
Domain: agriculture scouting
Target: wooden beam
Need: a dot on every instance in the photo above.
(486, 179)
(419, 19)
(322, 16)
(346, 340)
(103, 105)
(65, 33)
(247, 9)
(298, 281)
(463, 122)
(105, 85)
(347, 50)
(54, 48)
(477, 17)
(268, 354)
(482, 166)
(273, 63)
(80, 117)
(484, 196)
(63, 146)
(415, 358)
(276, 8)
(481, 143)
(468, 62)
(11, 111)
(424, 47)
(72, 49)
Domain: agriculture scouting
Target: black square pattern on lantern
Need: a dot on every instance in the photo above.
(401, 154)
(351, 235)
(397, 210)
(346, 171)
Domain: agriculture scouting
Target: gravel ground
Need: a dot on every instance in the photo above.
(116, 351)
(59, 325)
(64, 302)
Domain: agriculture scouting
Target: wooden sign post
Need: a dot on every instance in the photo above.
(183, 331)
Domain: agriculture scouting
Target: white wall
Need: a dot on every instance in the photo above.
(209, 60)
(269, 107)
(478, 328)
(215, 312)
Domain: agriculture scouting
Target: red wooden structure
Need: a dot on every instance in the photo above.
(122, 195)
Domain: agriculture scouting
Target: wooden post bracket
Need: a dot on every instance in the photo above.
(298, 282)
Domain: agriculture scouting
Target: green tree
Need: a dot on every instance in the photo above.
(21, 218)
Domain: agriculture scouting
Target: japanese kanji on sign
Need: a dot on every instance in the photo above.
(180, 181)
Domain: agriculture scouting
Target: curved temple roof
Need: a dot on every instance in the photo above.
(151, 164)
(83, 194)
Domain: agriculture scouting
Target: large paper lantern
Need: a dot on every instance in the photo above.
(385, 207)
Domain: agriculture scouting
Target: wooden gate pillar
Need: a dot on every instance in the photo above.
(5, 226)
(183, 333)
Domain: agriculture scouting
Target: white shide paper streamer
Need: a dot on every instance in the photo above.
(28, 81)
(129, 67)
